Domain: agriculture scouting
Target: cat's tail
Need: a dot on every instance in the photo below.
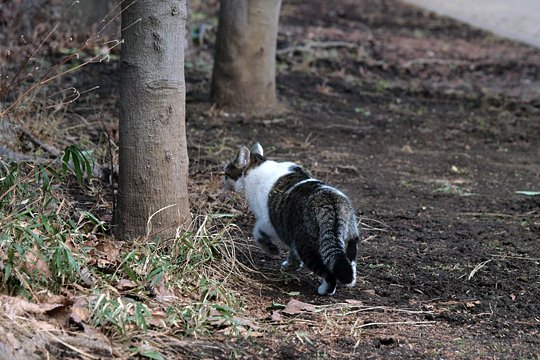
(335, 258)
(343, 269)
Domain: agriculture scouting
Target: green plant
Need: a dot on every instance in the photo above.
(40, 244)
(77, 161)
(46, 246)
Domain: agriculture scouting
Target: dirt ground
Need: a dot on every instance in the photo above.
(431, 127)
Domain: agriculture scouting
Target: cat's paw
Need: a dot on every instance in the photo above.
(326, 289)
(292, 265)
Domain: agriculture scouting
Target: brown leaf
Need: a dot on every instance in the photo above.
(354, 302)
(471, 304)
(246, 323)
(162, 291)
(35, 263)
(12, 340)
(296, 307)
(125, 284)
(53, 299)
(79, 311)
(325, 90)
(44, 326)
(17, 306)
(370, 292)
(109, 250)
(158, 319)
(276, 316)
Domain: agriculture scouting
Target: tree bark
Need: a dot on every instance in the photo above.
(244, 74)
(152, 188)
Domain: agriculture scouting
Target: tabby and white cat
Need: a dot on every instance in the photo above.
(317, 222)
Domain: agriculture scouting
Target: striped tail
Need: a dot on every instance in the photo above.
(343, 269)
(333, 252)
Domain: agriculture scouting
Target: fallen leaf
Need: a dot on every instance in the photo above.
(325, 90)
(15, 344)
(16, 306)
(471, 304)
(245, 322)
(352, 301)
(53, 299)
(296, 307)
(370, 292)
(276, 316)
(158, 319)
(513, 297)
(162, 291)
(34, 263)
(44, 326)
(407, 149)
(109, 249)
(79, 311)
(125, 284)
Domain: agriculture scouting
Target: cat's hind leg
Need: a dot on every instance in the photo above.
(262, 234)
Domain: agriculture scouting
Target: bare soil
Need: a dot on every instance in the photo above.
(431, 127)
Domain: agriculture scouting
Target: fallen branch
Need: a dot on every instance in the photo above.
(99, 171)
(474, 214)
(48, 148)
(317, 44)
(408, 323)
(433, 62)
(20, 157)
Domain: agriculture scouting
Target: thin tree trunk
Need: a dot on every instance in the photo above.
(152, 189)
(245, 61)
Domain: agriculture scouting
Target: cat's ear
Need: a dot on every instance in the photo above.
(242, 158)
(257, 149)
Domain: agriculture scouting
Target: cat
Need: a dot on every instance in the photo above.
(315, 221)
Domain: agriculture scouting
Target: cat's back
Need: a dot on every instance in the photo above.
(297, 199)
(264, 176)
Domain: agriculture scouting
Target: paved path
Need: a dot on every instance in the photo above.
(514, 19)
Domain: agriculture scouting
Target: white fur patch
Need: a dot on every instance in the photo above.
(323, 289)
(257, 185)
(330, 188)
(299, 183)
(353, 282)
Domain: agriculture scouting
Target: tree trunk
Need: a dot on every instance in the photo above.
(244, 75)
(152, 189)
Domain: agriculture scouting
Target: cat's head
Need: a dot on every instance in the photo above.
(236, 170)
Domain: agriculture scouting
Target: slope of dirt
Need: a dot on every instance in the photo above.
(431, 127)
